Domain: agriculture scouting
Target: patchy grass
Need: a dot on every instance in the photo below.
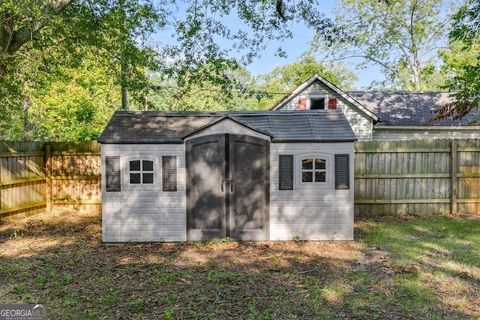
(397, 269)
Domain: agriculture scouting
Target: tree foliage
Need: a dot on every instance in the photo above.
(94, 35)
(282, 80)
(49, 46)
(248, 92)
(401, 37)
(462, 62)
(241, 95)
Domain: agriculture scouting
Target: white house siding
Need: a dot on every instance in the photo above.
(144, 213)
(313, 213)
(427, 133)
(361, 123)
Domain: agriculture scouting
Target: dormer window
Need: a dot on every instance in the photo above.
(318, 103)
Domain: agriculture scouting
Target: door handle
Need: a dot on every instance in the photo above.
(221, 185)
(228, 182)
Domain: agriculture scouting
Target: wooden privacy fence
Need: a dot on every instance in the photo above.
(36, 176)
(419, 177)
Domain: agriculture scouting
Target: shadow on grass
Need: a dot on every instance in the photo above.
(78, 277)
(443, 255)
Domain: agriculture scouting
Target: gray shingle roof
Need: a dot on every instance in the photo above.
(170, 127)
(408, 108)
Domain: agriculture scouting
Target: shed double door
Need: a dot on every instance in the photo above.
(227, 187)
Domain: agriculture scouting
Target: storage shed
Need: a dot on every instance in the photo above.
(275, 175)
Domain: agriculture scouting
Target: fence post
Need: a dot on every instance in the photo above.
(453, 177)
(48, 176)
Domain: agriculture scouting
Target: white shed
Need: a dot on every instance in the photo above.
(276, 175)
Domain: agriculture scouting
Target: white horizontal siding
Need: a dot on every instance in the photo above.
(427, 133)
(361, 125)
(312, 213)
(319, 213)
(144, 213)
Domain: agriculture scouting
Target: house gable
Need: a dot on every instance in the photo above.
(360, 118)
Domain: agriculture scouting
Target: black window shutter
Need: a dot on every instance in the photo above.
(285, 172)
(112, 166)
(342, 171)
(169, 173)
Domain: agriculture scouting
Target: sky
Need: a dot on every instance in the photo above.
(294, 47)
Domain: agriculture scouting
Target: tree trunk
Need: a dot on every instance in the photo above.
(3, 71)
(124, 98)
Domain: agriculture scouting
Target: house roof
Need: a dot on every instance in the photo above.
(173, 127)
(408, 108)
(333, 87)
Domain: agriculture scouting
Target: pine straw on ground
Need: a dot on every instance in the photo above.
(397, 269)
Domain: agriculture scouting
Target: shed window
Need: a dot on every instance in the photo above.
(317, 103)
(314, 170)
(141, 172)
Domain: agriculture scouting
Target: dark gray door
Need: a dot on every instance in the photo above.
(206, 201)
(249, 188)
(227, 187)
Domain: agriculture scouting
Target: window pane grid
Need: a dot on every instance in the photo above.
(314, 170)
(141, 174)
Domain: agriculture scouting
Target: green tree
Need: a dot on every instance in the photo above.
(247, 93)
(20, 22)
(240, 95)
(102, 33)
(75, 106)
(462, 62)
(40, 40)
(282, 80)
(401, 37)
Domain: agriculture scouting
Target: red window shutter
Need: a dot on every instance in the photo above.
(332, 103)
(302, 104)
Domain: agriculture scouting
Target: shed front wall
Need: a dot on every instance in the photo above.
(150, 214)
(310, 212)
(142, 212)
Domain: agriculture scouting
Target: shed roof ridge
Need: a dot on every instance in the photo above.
(220, 114)
(397, 91)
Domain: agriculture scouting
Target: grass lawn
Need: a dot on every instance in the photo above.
(397, 269)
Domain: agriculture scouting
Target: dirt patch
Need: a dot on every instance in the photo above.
(58, 260)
